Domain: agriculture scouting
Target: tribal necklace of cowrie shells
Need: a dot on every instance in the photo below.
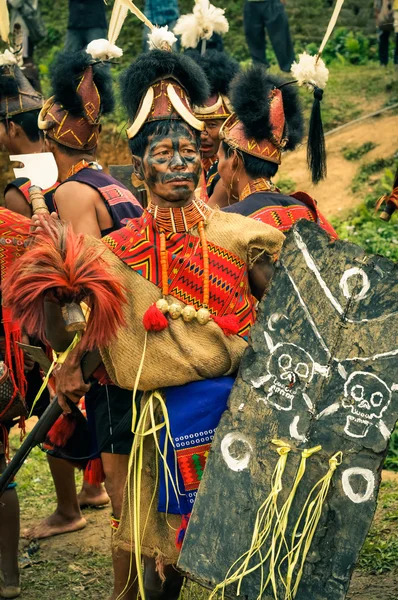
(181, 220)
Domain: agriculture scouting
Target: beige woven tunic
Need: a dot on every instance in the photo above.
(182, 353)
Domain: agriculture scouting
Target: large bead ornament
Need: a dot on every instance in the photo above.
(175, 310)
(203, 316)
(162, 305)
(188, 313)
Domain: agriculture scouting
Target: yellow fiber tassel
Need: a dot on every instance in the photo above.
(262, 527)
(313, 508)
(278, 536)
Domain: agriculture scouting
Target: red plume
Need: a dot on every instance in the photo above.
(61, 267)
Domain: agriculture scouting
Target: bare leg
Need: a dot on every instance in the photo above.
(67, 516)
(92, 495)
(9, 538)
(115, 468)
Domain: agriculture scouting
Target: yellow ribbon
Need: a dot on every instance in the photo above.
(58, 359)
(313, 508)
(262, 527)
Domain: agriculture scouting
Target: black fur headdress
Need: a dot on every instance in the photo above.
(158, 64)
(249, 95)
(219, 68)
(66, 73)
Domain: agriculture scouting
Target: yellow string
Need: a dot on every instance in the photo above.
(278, 536)
(58, 359)
(262, 527)
(313, 508)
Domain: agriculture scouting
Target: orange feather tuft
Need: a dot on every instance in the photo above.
(62, 268)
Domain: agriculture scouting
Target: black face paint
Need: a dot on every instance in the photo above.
(172, 159)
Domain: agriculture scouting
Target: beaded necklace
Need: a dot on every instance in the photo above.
(182, 220)
(257, 185)
(83, 164)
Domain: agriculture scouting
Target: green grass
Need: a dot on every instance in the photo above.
(380, 551)
(357, 152)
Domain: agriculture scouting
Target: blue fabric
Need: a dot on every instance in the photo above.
(161, 12)
(194, 411)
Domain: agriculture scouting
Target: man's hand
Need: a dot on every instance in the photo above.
(29, 363)
(42, 222)
(69, 381)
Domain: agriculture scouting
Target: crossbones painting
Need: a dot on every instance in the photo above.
(290, 369)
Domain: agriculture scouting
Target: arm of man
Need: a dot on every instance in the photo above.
(69, 376)
(76, 204)
(15, 200)
(260, 276)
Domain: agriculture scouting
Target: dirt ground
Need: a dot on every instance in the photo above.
(334, 194)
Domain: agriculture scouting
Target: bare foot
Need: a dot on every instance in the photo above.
(55, 524)
(91, 495)
(10, 591)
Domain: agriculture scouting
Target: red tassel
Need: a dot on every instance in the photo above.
(94, 473)
(228, 323)
(180, 535)
(61, 431)
(154, 319)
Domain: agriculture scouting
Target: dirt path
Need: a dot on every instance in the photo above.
(334, 195)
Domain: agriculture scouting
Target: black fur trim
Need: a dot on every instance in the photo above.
(249, 95)
(157, 64)
(8, 84)
(219, 68)
(65, 75)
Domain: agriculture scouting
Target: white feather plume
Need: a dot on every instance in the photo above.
(4, 21)
(161, 37)
(8, 58)
(310, 72)
(118, 16)
(205, 20)
(103, 50)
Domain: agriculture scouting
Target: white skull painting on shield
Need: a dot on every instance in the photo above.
(367, 397)
(291, 369)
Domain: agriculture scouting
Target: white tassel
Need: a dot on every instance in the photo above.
(310, 71)
(161, 38)
(205, 20)
(103, 50)
(7, 58)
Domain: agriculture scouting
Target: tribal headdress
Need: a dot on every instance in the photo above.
(161, 85)
(220, 69)
(267, 117)
(16, 93)
(196, 29)
(82, 88)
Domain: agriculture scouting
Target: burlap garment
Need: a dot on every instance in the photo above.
(182, 353)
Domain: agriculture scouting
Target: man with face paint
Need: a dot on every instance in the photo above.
(220, 69)
(253, 139)
(188, 274)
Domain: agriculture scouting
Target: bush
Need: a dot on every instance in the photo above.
(348, 46)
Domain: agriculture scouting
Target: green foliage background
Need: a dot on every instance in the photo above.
(308, 20)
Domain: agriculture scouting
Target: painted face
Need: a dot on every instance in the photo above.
(171, 165)
(210, 140)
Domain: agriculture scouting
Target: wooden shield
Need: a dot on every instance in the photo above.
(320, 370)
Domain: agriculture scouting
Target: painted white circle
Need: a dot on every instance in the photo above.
(367, 475)
(344, 283)
(236, 464)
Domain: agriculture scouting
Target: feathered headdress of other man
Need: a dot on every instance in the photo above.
(201, 24)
